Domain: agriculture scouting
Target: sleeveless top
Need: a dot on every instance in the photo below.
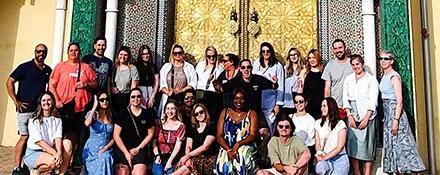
(385, 86)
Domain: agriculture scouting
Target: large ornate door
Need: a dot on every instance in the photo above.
(240, 26)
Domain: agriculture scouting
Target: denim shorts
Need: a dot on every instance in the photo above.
(22, 122)
(31, 156)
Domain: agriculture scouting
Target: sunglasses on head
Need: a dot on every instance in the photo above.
(385, 58)
(198, 113)
(299, 101)
(103, 100)
(41, 51)
(135, 96)
(284, 126)
(178, 53)
(246, 67)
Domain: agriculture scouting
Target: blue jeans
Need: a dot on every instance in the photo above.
(158, 169)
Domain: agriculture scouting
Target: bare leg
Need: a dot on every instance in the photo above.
(19, 149)
(139, 169)
(45, 162)
(355, 164)
(67, 155)
(122, 169)
(368, 167)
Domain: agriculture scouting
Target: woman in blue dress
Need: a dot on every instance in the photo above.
(97, 153)
(400, 150)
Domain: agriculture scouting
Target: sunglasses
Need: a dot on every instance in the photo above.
(198, 113)
(385, 58)
(211, 56)
(299, 101)
(265, 51)
(293, 54)
(145, 53)
(135, 96)
(189, 98)
(284, 126)
(40, 51)
(246, 67)
(178, 53)
(103, 100)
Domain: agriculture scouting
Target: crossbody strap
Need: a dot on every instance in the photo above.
(134, 122)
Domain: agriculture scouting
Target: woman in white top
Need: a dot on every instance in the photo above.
(292, 69)
(176, 77)
(304, 125)
(208, 70)
(269, 67)
(359, 98)
(125, 78)
(330, 138)
(46, 150)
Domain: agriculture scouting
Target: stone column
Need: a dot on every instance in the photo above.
(369, 34)
(58, 34)
(110, 27)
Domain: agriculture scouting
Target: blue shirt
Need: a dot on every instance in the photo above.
(31, 83)
(102, 67)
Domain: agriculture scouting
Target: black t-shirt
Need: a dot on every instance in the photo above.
(227, 99)
(253, 89)
(31, 83)
(199, 138)
(146, 73)
(103, 69)
(144, 121)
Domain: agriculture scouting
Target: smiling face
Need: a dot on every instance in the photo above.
(311, 58)
(40, 53)
(171, 111)
(178, 54)
(46, 102)
(73, 52)
(385, 60)
(123, 57)
(145, 55)
(135, 98)
(199, 114)
(324, 108)
(99, 47)
(284, 128)
(238, 100)
(246, 69)
(265, 52)
(339, 50)
(294, 56)
(103, 101)
(357, 66)
(300, 103)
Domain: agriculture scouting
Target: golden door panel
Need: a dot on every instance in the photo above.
(285, 24)
(201, 23)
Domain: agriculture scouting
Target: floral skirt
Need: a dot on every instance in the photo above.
(203, 165)
(400, 151)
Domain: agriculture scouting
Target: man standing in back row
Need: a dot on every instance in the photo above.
(100, 64)
(336, 70)
(32, 78)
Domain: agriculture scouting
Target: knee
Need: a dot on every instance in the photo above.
(260, 172)
(67, 146)
(265, 133)
(121, 170)
(139, 170)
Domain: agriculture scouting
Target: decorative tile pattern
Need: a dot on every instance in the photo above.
(395, 38)
(83, 24)
(137, 20)
(324, 42)
(345, 22)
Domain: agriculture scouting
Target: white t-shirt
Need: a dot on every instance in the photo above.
(304, 127)
(329, 138)
(50, 129)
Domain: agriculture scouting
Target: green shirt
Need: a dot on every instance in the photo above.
(286, 153)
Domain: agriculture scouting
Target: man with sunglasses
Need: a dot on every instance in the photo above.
(33, 77)
(253, 85)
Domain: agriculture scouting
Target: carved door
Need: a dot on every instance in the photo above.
(283, 23)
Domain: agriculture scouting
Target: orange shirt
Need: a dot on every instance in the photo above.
(64, 77)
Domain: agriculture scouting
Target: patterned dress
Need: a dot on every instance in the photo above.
(233, 133)
(400, 151)
(100, 135)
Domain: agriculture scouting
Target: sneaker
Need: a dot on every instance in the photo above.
(20, 171)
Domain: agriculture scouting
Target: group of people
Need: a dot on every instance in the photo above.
(221, 116)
